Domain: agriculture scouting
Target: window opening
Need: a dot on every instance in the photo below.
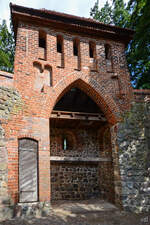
(65, 143)
(107, 52)
(59, 44)
(91, 50)
(75, 48)
(42, 40)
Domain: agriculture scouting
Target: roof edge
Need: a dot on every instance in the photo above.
(70, 20)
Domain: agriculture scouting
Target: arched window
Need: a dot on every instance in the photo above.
(68, 141)
(28, 170)
(65, 143)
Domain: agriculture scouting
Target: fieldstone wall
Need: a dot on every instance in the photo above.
(84, 142)
(6, 209)
(84, 170)
(9, 103)
(74, 181)
(134, 157)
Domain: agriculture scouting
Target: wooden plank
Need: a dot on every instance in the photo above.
(77, 115)
(79, 159)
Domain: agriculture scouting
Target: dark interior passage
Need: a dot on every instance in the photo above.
(76, 100)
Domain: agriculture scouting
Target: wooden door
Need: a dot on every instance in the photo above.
(28, 173)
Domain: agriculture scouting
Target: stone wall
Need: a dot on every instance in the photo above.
(84, 142)
(9, 103)
(134, 157)
(84, 171)
(5, 202)
(74, 181)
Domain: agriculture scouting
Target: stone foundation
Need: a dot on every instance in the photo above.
(36, 209)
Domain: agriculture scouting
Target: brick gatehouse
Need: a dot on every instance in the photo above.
(61, 108)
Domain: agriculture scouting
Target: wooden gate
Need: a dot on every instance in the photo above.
(28, 173)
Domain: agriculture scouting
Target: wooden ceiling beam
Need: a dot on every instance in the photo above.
(77, 115)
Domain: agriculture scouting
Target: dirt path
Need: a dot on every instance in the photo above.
(93, 212)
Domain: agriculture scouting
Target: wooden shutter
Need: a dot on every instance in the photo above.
(28, 174)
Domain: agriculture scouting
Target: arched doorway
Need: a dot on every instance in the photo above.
(77, 154)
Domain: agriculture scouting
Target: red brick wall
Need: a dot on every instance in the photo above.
(110, 90)
(6, 79)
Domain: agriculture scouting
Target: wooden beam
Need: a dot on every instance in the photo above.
(78, 115)
(79, 159)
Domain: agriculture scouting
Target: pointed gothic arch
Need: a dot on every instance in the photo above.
(92, 88)
(61, 146)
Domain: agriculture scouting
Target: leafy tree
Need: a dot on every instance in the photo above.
(121, 16)
(6, 48)
(138, 55)
(105, 15)
(135, 15)
(115, 14)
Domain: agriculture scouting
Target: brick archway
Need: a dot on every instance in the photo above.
(106, 103)
(92, 88)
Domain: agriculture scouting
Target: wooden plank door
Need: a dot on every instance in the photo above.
(28, 174)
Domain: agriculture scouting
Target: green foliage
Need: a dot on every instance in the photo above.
(121, 16)
(6, 48)
(135, 15)
(139, 54)
(105, 15)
